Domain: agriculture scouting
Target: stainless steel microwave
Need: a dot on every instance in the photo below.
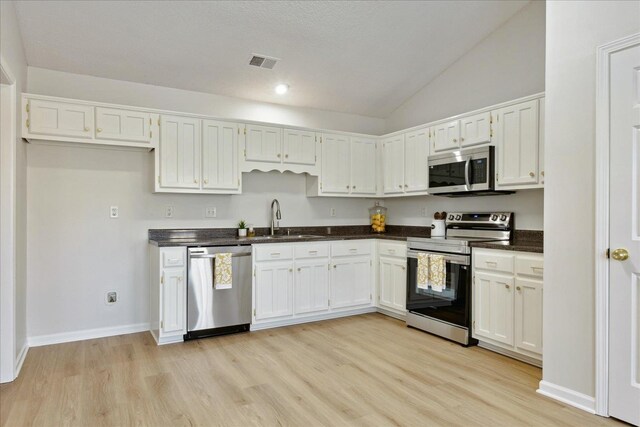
(461, 173)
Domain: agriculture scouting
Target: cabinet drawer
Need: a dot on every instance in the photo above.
(494, 262)
(173, 257)
(393, 249)
(273, 252)
(312, 250)
(530, 266)
(352, 247)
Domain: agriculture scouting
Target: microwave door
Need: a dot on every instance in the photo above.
(447, 175)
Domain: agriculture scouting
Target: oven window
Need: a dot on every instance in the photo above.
(446, 175)
(450, 305)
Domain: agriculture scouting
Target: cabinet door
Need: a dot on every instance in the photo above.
(393, 165)
(336, 164)
(393, 283)
(363, 166)
(220, 155)
(541, 140)
(274, 290)
(475, 130)
(528, 315)
(350, 282)
(180, 154)
(447, 136)
(173, 317)
(263, 144)
(122, 125)
(60, 119)
(299, 147)
(493, 307)
(311, 286)
(517, 132)
(416, 152)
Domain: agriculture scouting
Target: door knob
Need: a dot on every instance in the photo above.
(620, 254)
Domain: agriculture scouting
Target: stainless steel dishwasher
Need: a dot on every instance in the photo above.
(212, 311)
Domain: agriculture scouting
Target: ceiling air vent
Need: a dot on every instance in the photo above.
(263, 61)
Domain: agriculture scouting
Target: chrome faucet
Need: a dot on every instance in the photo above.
(275, 217)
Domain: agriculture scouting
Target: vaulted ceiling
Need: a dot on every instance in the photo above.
(361, 57)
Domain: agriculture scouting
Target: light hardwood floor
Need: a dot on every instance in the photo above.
(367, 370)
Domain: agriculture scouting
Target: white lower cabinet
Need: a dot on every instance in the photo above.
(168, 293)
(392, 277)
(507, 302)
(299, 282)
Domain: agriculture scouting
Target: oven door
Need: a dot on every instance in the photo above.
(453, 304)
(461, 171)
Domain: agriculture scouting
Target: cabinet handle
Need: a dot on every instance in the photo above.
(86, 129)
(491, 263)
(347, 187)
(99, 130)
(354, 187)
(406, 186)
(299, 269)
(286, 156)
(404, 268)
(542, 173)
(206, 181)
(518, 288)
(507, 286)
(455, 140)
(461, 139)
(278, 155)
(400, 186)
(275, 253)
(531, 174)
(313, 252)
(195, 181)
(291, 270)
(334, 266)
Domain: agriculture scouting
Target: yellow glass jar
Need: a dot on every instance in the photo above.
(378, 219)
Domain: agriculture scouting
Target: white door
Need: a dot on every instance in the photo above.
(517, 145)
(311, 286)
(274, 290)
(299, 147)
(350, 282)
(220, 155)
(336, 164)
(174, 292)
(416, 152)
(180, 154)
(60, 119)
(263, 144)
(528, 315)
(447, 136)
(122, 125)
(624, 225)
(493, 307)
(393, 283)
(475, 130)
(363, 166)
(393, 165)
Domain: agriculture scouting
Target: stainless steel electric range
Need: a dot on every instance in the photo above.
(447, 312)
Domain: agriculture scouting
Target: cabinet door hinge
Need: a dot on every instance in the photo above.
(28, 123)
(28, 107)
(320, 140)
(245, 153)
(158, 121)
(474, 325)
(254, 312)
(320, 186)
(150, 121)
(496, 177)
(316, 138)
(159, 180)
(370, 297)
(329, 302)
(254, 272)
(245, 131)
(150, 134)
(608, 254)
(162, 324)
(162, 279)
(238, 131)
(490, 118)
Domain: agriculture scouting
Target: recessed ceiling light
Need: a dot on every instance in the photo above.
(282, 88)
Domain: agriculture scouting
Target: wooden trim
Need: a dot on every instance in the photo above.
(604, 52)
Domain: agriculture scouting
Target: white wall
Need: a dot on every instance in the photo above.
(12, 52)
(508, 64)
(56, 83)
(574, 30)
(526, 204)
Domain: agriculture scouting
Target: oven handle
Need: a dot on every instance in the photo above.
(453, 259)
(467, 183)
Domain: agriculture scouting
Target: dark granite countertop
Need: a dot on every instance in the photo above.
(524, 241)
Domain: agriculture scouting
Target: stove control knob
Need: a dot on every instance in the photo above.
(494, 217)
(450, 217)
(458, 217)
(503, 217)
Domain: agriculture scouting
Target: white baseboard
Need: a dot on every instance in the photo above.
(307, 319)
(392, 313)
(568, 396)
(21, 357)
(86, 334)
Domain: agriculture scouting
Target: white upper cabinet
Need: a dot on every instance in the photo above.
(475, 130)
(416, 152)
(263, 144)
(220, 155)
(363, 166)
(336, 164)
(180, 154)
(446, 136)
(393, 165)
(517, 146)
(60, 119)
(299, 147)
(122, 125)
(541, 140)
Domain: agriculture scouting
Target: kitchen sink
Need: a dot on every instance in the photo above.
(292, 236)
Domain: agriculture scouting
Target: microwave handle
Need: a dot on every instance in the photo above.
(467, 184)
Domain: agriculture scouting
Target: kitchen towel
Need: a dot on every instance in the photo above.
(437, 272)
(423, 271)
(223, 276)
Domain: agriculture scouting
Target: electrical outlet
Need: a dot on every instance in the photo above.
(332, 211)
(113, 212)
(112, 297)
(210, 212)
(168, 212)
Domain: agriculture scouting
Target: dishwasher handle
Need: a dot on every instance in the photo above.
(233, 255)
